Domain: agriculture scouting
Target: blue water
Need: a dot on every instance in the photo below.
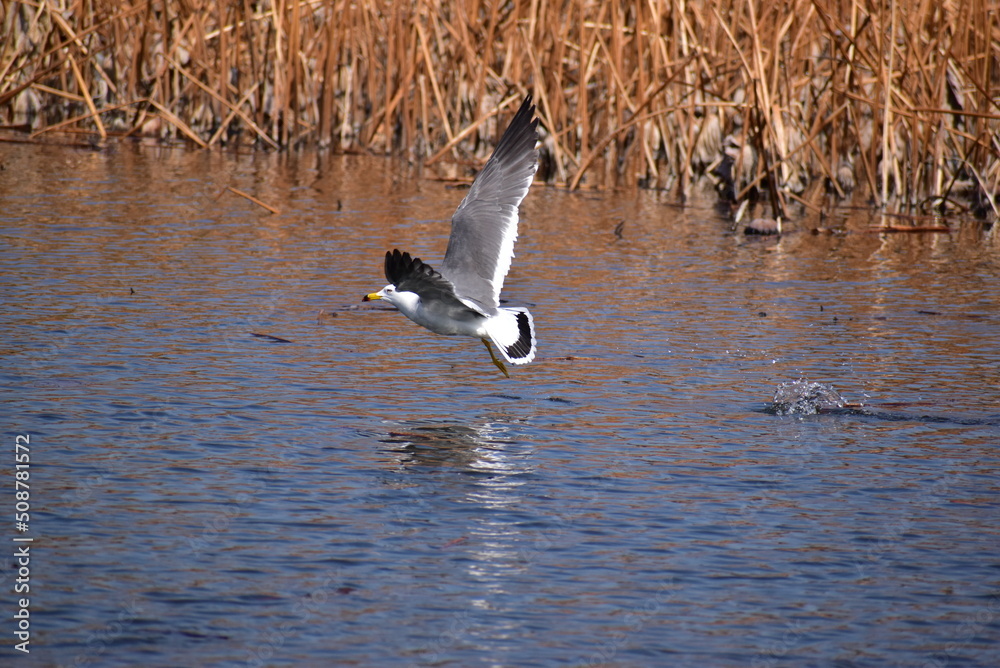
(367, 493)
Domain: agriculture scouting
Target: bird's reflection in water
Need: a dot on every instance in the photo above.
(489, 447)
(493, 465)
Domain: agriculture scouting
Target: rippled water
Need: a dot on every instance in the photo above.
(361, 492)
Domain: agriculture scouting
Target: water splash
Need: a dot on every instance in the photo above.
(802, 397)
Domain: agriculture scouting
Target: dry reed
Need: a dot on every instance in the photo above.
(782, 102)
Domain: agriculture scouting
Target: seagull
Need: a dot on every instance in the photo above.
(463, 298)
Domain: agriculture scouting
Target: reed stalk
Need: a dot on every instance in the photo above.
(784, 101)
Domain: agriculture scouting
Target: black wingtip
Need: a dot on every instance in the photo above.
(527, 107)
(389, 261)
(526, 114)
(521, 135)
(397, 265)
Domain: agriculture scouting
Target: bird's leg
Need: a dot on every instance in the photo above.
(494, 357)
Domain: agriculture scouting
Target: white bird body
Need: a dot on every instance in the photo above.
(410, 305)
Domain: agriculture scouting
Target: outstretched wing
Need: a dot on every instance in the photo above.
(411, 274)
(484, 227)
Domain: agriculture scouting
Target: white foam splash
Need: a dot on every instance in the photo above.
(802, 397)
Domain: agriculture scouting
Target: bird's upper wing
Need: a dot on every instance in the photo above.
(484, 227)
(411, 274)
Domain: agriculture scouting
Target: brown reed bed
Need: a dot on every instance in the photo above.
(795, 102)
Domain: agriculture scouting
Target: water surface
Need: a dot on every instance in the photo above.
(366, 493)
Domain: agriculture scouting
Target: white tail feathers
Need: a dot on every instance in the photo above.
(513, 332)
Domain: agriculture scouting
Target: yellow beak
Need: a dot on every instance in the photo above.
(371, 297)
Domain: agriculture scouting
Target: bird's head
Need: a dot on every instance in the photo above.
(385, 293)
(401, 299)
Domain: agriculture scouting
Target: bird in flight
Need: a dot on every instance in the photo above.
(463, 297)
